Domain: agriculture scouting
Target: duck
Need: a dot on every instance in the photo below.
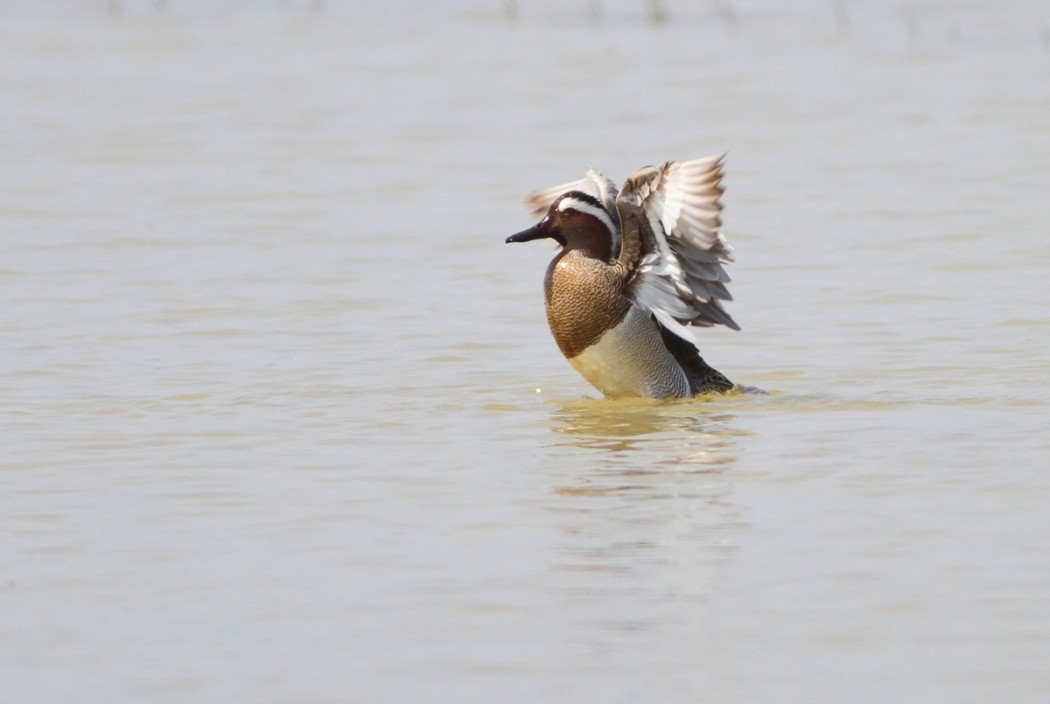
(637, 267)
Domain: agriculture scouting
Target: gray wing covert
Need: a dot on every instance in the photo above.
(673, 247)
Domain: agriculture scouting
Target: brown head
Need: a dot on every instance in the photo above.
(575, 220)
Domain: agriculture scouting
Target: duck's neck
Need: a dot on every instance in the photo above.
(596, 245)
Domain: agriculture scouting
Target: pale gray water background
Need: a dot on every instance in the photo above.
(283, 422)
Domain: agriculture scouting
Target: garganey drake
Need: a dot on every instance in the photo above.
(635, 268)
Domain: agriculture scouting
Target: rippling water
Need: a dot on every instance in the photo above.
(284, 422)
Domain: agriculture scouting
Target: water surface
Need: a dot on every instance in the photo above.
(284, 423)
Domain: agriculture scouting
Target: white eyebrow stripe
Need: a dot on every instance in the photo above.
(585, 207)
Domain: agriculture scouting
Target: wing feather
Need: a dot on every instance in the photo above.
(674, 212)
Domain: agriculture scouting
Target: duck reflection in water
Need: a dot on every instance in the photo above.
(643, 436)
(644, 500)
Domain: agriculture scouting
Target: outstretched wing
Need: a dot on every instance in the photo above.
(673, 249)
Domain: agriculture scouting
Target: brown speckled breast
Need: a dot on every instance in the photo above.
(584, 298)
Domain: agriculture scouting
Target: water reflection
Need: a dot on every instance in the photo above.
(650, 434)
(643, 498)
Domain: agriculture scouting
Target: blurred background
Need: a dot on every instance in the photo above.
(283, 420)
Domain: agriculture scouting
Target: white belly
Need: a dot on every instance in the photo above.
(631, 360)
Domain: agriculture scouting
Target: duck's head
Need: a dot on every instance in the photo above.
(574, 220)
